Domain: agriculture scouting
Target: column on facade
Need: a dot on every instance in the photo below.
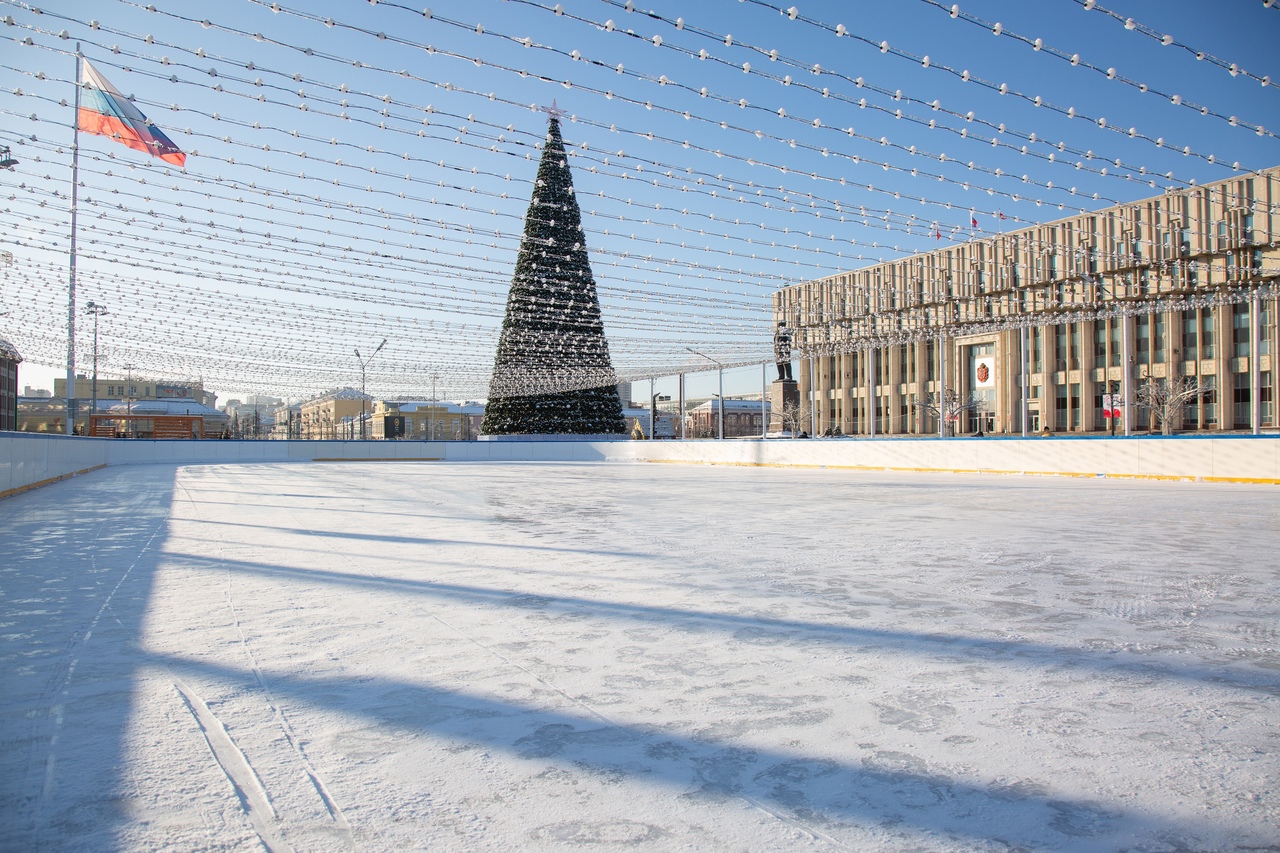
(806, 384)
(872, 367)
(845, 386)
(1090, 383)
(1255, 372)
(895, 377)
(1224, 379)
(1127, 366)
(1024, 376)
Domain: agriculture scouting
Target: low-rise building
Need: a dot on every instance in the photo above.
(42, 413)
(429, 420)
(286, 422)
(742, 419)
(335, 415)
(114, 390)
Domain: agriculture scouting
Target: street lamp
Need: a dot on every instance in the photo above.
(364, 398)
(720, 376)
(431, 429)
(97, 311)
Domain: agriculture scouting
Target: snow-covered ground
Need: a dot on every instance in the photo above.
(404, 656)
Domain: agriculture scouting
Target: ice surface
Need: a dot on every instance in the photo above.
(398, 656)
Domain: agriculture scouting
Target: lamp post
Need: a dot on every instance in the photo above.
(97, 311)
(431, 424)
(364, 398)
(654, 399)
(720, 377)
(128, 400)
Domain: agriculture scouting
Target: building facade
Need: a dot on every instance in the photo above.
(431, 420)
(333, 415)
(116, 390)
(1035, 329)
(742, 419)
(9, 361)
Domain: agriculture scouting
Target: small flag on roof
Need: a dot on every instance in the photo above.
(106, 112)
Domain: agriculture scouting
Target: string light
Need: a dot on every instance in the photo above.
(340, 257)
(1167, 40)
(1001, 88)
(1075, 61)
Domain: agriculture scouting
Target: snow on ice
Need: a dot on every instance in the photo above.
(398, 656)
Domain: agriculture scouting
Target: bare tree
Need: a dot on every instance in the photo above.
(1165, 398)
(951, 408)
(794, 417)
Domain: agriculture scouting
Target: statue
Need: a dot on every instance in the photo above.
(782, 352)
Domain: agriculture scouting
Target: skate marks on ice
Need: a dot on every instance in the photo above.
(874, 707)
(767, 630)
(276, 820)
(244, 781)
(883, 796)
(819, 612)
(76, 564)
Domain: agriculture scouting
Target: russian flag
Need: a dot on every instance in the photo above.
(106, 112)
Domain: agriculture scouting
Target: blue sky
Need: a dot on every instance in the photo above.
(705, 185)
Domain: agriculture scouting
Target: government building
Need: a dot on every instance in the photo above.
(1032, 328)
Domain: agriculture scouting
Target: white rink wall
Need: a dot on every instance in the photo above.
(29, 460)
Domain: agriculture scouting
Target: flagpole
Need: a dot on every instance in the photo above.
(71, 286)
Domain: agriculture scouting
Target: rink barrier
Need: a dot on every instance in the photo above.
(17, 490)
(31, 459)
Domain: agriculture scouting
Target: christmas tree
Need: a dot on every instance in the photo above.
(552, 373)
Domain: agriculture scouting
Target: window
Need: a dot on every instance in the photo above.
(1191, 414)
(1100, 342)
(1073, 355)
(1142, 334)
(1206, 334)
(1266, 407)
(1117, 352)
(1190, 328)
(1265, 319)
(1060, 346)
(1160, 338)
(1240, 329)
(1075, 405)
(1242, 398)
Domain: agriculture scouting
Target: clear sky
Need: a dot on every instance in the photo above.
(359, 171)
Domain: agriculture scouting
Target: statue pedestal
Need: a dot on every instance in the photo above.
(784, 395)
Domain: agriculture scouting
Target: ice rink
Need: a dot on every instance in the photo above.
(405, 656)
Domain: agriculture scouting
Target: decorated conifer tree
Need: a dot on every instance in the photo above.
(552, 373)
